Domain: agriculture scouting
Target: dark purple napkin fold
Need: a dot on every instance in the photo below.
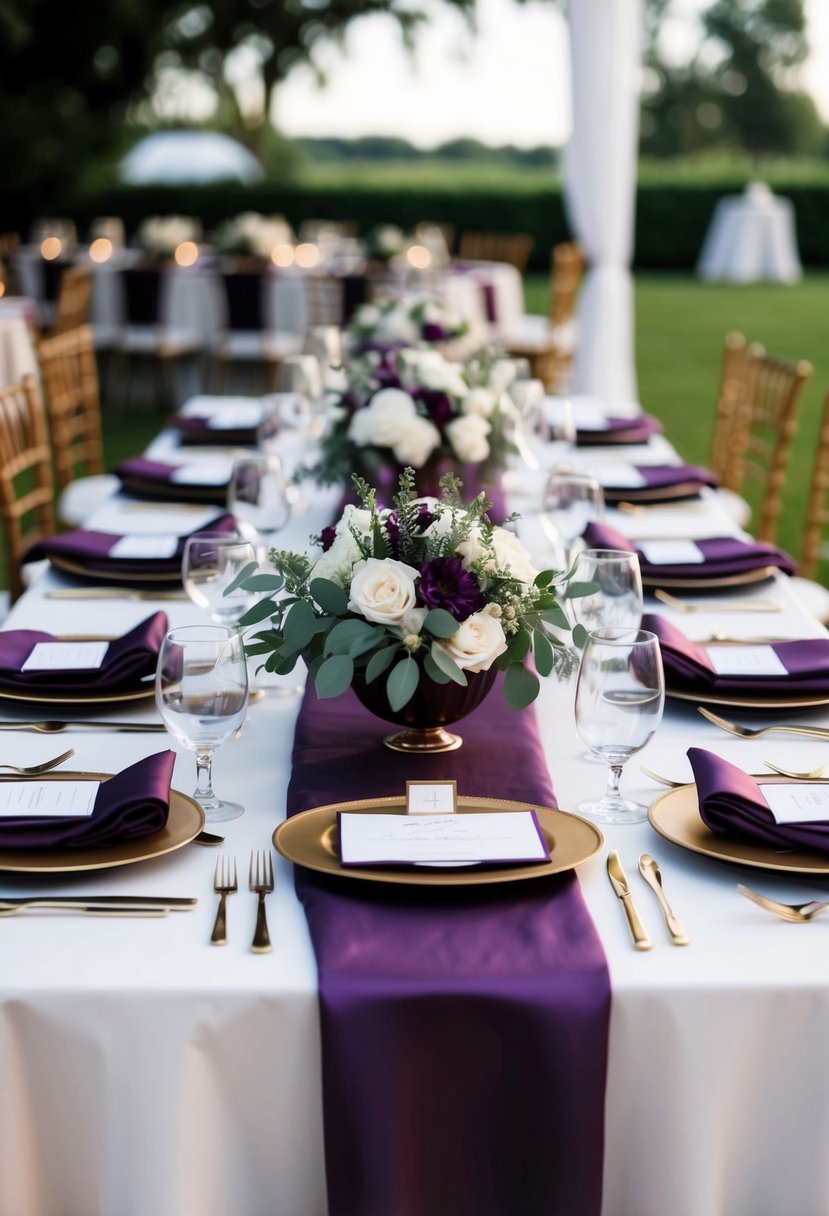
(199, 431)
(687, 667)
(464, 1030)
(661, 477)
(731, 803)
(91, 550)
(128, 658)
(620, 431)
(153, 479)
(724, 555)
(132, 804)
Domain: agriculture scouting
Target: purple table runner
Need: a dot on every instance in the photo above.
(464, 1030)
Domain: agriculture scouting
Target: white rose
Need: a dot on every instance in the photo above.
(361, 427)
(337, 561)
(354, 518)
(388, 413)
(412, 621)
(415, 441)
(479, 401)
(382, 590)
(443, 378)
(468, 436)
(471, 550)
(501, 375)
(476, 643)
(367, 316)
(396, 326)
(509, 552)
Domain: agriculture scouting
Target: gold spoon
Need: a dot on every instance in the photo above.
(650, 871)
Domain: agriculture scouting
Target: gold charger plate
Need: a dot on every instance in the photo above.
(740, 701)
(310, 839)
(710, 582)
(68, 566)
(184, 822)
(681, 489)
(675, 815)
(91, 698)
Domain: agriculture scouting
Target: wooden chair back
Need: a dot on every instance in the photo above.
(69, 372)
(27, 495)
(73, 299)
(512, 247)
(765, 424)
(566, 273)
(817, 507)
(731, 402)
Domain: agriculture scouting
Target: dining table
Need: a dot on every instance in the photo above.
(146, 1071)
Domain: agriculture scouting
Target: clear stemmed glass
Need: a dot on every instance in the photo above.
(258, 498)
(210, 563)
(201, 690)
(616, 597)
(620, 694)
(570, 501)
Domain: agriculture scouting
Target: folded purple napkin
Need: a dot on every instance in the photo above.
(724, 555)
(132, 804)
(732, 804)
(688, 668)
(128, 659)
(199, 431)
(91, 550)
(661, 477)
(620, 431)
(153, 479)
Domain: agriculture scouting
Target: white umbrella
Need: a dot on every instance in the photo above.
(188, 156)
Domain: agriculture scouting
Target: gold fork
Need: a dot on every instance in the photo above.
(746, 732)
(719, 606)
(34, 770)
(224, 884)
(260, 881)
(796, 914)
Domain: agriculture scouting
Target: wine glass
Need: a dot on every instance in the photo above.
(615, 596)
(570, 501)
(620, 694)
(258, 498)
(201, 690)
(210, 563)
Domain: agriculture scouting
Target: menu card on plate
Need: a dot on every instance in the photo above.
(47, 799)
(496, 836)
(138, 545)
(66, 656)
(796, 803)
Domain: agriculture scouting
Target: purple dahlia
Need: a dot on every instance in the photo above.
(445, 584)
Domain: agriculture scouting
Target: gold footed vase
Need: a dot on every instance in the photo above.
(432, 708)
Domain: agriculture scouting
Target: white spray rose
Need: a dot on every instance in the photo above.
(415, 441)
(388, 413)
(509, 552)
(468, 436)
(382, 590)
(479, 401)
(477, 642)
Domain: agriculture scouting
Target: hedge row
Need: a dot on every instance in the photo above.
(671, 219)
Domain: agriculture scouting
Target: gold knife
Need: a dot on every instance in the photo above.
(112, 593)
(53, 727)
(174, 903)
(619, 883)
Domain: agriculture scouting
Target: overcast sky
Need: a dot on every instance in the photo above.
(508, 84)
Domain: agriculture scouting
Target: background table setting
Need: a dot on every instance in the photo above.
(396, 1050)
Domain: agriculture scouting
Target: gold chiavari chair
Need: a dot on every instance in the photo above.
(73, 299)
(69, 372)
(548, 342)
(512, 247)
(816, 530)
(730, 394)
(27, 497)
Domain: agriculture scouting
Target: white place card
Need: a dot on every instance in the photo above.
(205, 405)
(745, 661)
(622, 475)
(671, 552)
(47, 799)
(234, 417)
(66, 656)
(142, 545)
(214, 472)
(431, 797)
(796, 803)
(499, 836)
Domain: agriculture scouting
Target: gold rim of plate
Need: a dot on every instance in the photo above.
(675, 815)
(682, 489)
(125, 577)
(309, 839)
(739, 701)
(745, 578)
(184, 822)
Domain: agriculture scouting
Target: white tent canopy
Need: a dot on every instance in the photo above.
(189, 156)
(600, 185)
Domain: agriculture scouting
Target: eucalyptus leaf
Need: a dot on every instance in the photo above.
(260, 582)
(434, 672)
(402, 682)
(334, 675)
(246, 573)
(577, 590)
(555, 615)
(258, 612)
(579, 636)
(440, 623)
(329, 595)
(448, 665)
(543, 653)
(300, 625)
(521, 686)
(345, 633)
(380, 662)
(518, 646)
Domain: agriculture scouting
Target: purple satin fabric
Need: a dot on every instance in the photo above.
(662, 477)
(732, 804)
(620, 431)
(687, 667)
(91, 550)
(153, 479)
(724, 555)
(464, 1031)
(132, 804)
(128, 659)
(199, 431)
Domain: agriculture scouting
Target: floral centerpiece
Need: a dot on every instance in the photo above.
(408, 605)
(160, 235)
(404, 322)
(251, 235)
(384, 242)
(413, 408)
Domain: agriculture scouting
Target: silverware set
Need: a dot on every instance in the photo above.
(260, 883)
(651, 873)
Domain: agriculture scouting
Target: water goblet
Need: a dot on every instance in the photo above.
(258, 499)
(605, 591)
(201, 690)
(211, 562)
(570, 501)
(620, 695)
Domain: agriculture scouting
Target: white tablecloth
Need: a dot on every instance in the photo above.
(751, 237)
(150, 1074)
(17, 350)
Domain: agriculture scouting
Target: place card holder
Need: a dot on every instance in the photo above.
(431, 797)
